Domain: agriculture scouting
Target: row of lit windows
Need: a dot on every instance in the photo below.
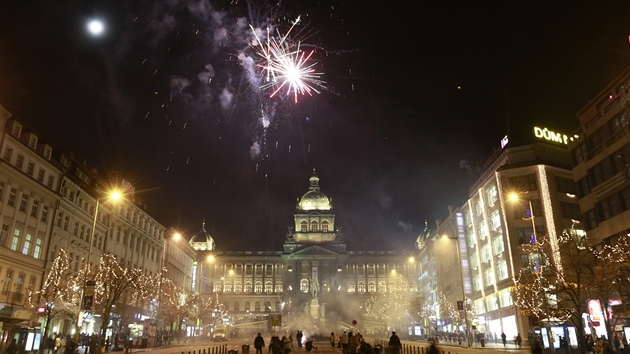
(236, 306)
(315, 226)
(380, 270)
(27, 244)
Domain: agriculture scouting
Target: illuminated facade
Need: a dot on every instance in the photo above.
(493, 234)
(314, 282)
(601, 157)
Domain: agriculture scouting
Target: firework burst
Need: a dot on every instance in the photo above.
(285, 66)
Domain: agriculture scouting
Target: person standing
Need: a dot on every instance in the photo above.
(353, 343)
(286, 345)
(332, 340)
(519, 340)
(344, 342)
(504, 338)
(394, 341)
(298, 336)
(12, 348)
(259, 343)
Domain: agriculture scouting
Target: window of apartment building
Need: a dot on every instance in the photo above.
(495, 220)
(51, 182)
(492, 303)
(19, 285)
(497, 245)
(598, 137)
(565, 185)
(66, 222)
(268, 287)
(474, 261)
(482, 228)
(19, 163)
(502, 270)
(30, 168)
(15, 241)
(35, 208)
(24, 202)
(8, 154)
(579, 153)
(492, 195)
(472, 240)
(609, 207)
(570, 210)
(37, 252)
(40, 175)
(524, 234)
(12, 196)
(8, 279)
(505, 298)
(523, 183)
(32, 142)
(26, 247)
(488, 277)
(485, 253)
(476, 280)
(4, 232)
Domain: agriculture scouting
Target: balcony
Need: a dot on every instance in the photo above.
(12, 298)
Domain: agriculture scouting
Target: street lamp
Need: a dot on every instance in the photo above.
(516, 197)
(113, 196)
(461, 278)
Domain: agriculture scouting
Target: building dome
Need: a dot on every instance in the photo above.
(202, 241)
(314, 199)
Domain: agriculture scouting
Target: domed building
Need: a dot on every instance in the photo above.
(313, 283)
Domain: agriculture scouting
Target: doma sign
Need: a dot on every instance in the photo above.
(546, 134)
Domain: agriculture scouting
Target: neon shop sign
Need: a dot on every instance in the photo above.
(546, 134)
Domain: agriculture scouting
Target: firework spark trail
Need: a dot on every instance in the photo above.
(286, 67)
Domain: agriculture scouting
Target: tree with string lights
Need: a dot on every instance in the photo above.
(115, 283)
(55, 298)
(390, 307)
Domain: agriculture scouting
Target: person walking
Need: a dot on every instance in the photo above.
(519, 340)
(344, 342)
(259, 343)
(394, 341)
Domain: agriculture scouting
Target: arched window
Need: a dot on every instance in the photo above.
(227, 288)
(371, 287)
(247, 306)
(258, 287)
(351, 288)
(304, 226)
(361, 287)
(278, 306)
(257, 306)
(268, 287)
(324, 226)
(391, 286)
(314, 225)
(238, 287)
(217, 287)
(248, 286)
(267, 306)
(381, 287)
(279, 288)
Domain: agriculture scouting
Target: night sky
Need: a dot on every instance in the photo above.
(417, 96)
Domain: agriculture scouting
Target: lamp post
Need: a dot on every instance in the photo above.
(461, 279)
(533, 241)
(114, 196)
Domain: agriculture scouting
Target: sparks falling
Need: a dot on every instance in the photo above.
(285, 66)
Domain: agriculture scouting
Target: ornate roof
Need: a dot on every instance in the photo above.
(314, 199)
(202, 241)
